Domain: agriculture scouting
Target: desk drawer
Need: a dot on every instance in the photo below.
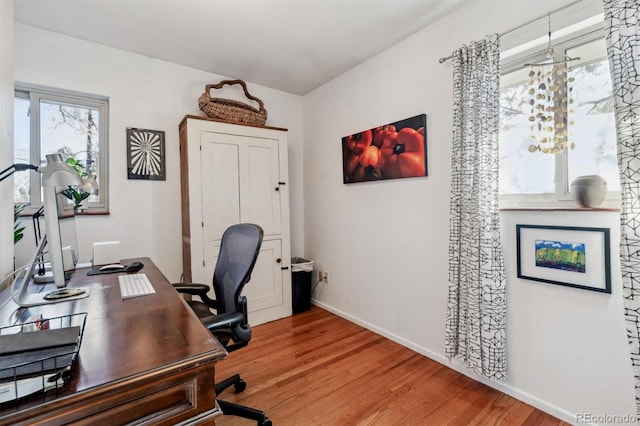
(185, 396)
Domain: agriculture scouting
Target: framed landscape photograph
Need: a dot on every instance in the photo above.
(391, 151)
(565, 255)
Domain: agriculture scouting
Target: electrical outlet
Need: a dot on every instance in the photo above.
(326, 277)
(320, 276)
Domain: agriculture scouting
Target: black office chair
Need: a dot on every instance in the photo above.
(239, 250)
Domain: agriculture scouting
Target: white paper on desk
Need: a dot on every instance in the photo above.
(26, 387)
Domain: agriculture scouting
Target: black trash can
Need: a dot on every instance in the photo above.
(301, 270)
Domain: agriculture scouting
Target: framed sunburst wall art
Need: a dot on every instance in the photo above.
(145, 154)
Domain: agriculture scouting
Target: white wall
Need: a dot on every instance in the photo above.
(568, 347)
(385, 244)
(6, 137)
(150, 94)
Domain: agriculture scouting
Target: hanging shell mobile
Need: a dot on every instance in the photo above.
(549, 91)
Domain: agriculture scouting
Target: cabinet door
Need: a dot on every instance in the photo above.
(220, 165)
(259, 186)
(239, 183)
(266, 293)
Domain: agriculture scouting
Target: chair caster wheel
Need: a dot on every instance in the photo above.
(240, 386)
(265, 422)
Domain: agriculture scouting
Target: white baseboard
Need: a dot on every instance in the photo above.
(458, 366)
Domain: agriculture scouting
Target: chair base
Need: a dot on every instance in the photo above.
(235, 380)
(232, 409)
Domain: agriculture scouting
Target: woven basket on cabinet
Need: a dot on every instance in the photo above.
(231, 110)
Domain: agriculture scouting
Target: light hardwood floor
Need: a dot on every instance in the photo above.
(316, 368)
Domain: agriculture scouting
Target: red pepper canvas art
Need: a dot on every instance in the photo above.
(395, 150)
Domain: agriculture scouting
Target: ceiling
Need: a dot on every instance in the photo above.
(290, 45)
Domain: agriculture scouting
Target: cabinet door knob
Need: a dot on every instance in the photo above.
(278, 260)
(277, 188)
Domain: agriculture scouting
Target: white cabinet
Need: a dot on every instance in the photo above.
(232, 174)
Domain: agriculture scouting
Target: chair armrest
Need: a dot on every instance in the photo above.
(195, 289)
(191, 288)
(231, 324)
(226, 320)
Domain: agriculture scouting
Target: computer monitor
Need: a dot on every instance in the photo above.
(27, 293)
(56, 173)
(68, 240)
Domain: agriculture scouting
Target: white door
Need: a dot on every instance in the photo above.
(240, 183)
(266, 296)
(265, 293)
(220, 165)
(259, 186)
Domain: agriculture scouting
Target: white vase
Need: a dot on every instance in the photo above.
(589, 191)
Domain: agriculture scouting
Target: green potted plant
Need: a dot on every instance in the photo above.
(76, 193)
(18, 231)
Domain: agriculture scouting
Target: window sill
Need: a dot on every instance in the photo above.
(559, 209)
(64, 216)
(612, 203)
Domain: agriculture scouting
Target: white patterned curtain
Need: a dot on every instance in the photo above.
(622, 30)
(476, 310)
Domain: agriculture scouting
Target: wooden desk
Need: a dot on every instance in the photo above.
(147, 359)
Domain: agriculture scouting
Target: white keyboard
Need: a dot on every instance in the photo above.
(134, 285)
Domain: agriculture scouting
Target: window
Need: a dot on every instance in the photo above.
(51, 121)
(528, 175)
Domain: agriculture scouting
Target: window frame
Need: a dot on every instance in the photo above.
(562, 197)
(36, 93)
